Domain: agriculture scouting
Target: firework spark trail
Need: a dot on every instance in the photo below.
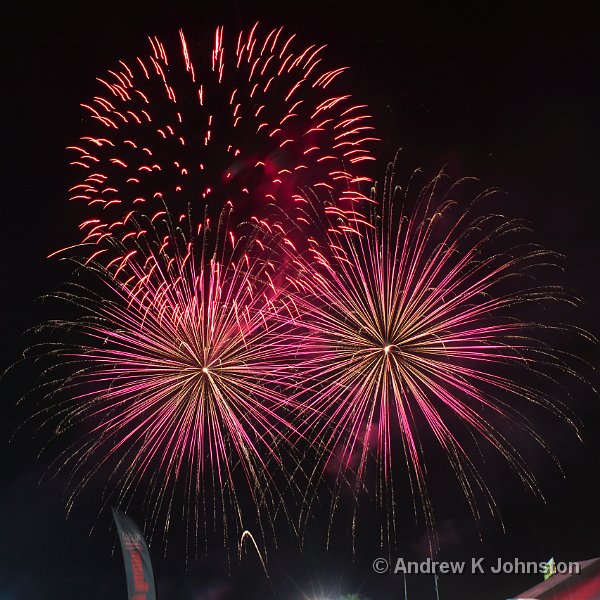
(408, 325)
(176, 378)
(249, 122)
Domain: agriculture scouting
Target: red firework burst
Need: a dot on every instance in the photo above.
(249, 122)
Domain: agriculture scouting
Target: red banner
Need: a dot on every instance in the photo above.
(138, 567)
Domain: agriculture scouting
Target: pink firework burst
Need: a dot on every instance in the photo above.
(415, 327)
(175, 380)
(249, 121)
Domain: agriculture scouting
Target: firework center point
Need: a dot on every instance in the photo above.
(205, 370)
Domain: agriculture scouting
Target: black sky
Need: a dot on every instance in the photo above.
(495, 90)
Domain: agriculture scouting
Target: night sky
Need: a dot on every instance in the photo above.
(508, 94)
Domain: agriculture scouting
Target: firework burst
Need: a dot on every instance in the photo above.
(175, 379)
(389, 325)
(248, 121)
(415, 324)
